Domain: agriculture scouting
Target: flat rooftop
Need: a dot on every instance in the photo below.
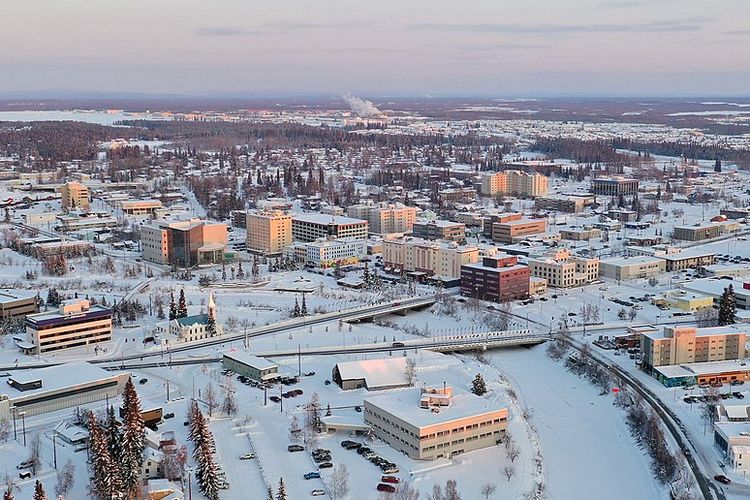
(325, 219)
(707, 368)
(57, 377)
(13, 295)
(45, 316)
(625, 261)
(246, 358)
(715, 287)
(404, 404)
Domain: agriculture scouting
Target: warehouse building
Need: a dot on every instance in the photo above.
(629, 268)
(253, 367)
(70, 385)
(372, 374)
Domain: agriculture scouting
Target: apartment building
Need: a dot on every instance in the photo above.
(74, 196)
(325, 253)
(614, 186)
(17, 305)
(427, 424)
(580, 234)
(435, 258)
(184, 243)
(688, 259)
(516, 183)
(439, 230)
(629, 268)
(76, 323)
(385, 219)
(499, 279)
(268, 231)
(563, 270)
(311, 227)
(687, 344)
(515, 227)
(456, 195)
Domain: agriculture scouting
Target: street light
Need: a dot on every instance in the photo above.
(23, 422)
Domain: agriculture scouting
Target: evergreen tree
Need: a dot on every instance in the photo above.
(296, 310)
(366, 276)
(39, 493)
(105, 479)
(200, 434)
(182, 306)
(281, 493)
(478, 386)
(240, 271)
(727, 307)
(270, 494)
(172, 307)
(133, 439)
(112, 431)
(303, 309)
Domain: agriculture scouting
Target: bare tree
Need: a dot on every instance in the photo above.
(229, 405)
(589, 314)
(505, 316)
(451, 490)
(436, 493)
(340, 482)
(632, 313)
(411, 371)
(706, 316)
(295, 432)
(65, 479)
(509, 471)
(406, 491)
(488, 489)
(513, 451)
(35, 453)
(210, 398)
(4, 429)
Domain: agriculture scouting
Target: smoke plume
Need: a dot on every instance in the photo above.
(362, 108)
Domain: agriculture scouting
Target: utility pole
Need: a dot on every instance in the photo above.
(167, 389)
(281, 401)
(265, 395)
(299, 361)
(15, 433)
(23, 422)
(54, 448)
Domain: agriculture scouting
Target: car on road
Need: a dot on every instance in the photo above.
(325, 465)
(24, 475)
(312, 475)
(295, 447)
(390, 479)
(737, 382)
(738, 395)
(318, 493)
(143, 381)
(168, 416)
(247, 456)
(397, 344)
(722, 479)
(388, 488)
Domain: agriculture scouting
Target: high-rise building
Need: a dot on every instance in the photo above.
(687, 344)
(439, 230)
(434, 258)
(311, 227)
(516, 183)
(384, 219)
(268, 232)
(499, 279)
(74, 195)
(563, 270)
(184, 243)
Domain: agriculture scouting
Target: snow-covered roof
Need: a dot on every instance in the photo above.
(404, 405)
(377, 373)
(314, 218)
(57, 377)
(248, 359)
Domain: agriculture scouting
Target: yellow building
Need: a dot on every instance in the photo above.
(74, 195)
(563, 270)
(435, 258)
(268, 232)
(515, 182)
(686, 301)
(687, 344)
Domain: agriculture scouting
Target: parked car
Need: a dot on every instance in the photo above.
(318, 493)
(737, 382)
(24, 475)
(143, 381)
(397, 344)
(298, 392)
(312, 475)
(325, 465)
(390, 479)
(247, 456)
(738, 395)
(358, 409)
(389, 488)
(722, 479)
(168, 415)
(275, 399)
(24, 465)
(309, 374)
(350, 445)
(295, 447)
(391, 470)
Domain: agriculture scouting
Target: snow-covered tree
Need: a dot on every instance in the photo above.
(229, 405)
(295, 432)
(451, 490)
(39, 493)
(182, 311)
(210, 398)
(411, 371)
(172, 307)
(132, 439)
(340, 482)
(105, 477)
(281, 492)
(509, 471)
(727, 307)
(488, 489)
(65, 479)
(478, 385)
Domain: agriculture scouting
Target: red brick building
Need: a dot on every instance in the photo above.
(498, 279)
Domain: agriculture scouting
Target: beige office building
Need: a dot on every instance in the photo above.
(515, 182)
(74, 195)
(385, 219)
(427, 424)
(77, 323)
(268, 232)
(563, 270)
(313, 226)
(435, 258)
(687, 344)
(631, 267)
(139, 207)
